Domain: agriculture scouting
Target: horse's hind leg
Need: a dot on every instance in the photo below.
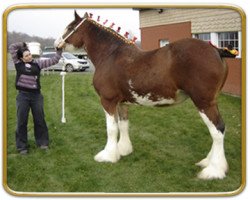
(215, 164)
(124, 144)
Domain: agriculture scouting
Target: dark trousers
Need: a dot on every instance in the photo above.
(24, 102)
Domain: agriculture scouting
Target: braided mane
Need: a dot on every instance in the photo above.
(114, 33)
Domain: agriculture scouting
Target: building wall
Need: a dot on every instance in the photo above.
(203, 20)
(233, 82)
(151, 36)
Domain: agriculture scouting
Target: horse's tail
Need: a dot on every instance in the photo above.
(225, 73)
(228, 52)
(225, 53)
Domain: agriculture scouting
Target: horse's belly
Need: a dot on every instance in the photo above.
(157, 100)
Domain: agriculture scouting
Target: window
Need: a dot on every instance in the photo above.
(222, 40)
(228, 38)
(163, 43)
(203, 36)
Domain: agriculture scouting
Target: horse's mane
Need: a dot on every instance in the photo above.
(110, 31)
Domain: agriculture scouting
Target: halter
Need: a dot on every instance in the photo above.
(74, 30)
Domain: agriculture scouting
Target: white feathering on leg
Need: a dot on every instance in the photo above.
(110, 153)
(215, 163)
(124, 144)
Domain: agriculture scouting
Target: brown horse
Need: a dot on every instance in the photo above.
(166, 76)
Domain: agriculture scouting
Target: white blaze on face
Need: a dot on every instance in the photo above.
(59, 43)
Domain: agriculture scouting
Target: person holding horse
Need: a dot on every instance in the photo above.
(29, 95)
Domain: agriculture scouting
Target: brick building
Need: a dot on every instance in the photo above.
(222, 27)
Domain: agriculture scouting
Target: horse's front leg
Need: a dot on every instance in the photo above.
(110, 153)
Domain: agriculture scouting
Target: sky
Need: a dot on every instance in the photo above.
(48, 23)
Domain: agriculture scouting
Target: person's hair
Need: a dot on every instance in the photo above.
(20, 52)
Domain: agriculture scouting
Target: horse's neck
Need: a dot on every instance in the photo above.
(99, 43)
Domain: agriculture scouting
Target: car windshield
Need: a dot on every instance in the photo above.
(69, 56)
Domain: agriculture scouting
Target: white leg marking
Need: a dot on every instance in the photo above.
(110, 153)
(204, 162)
(215, 163)
(124, 144)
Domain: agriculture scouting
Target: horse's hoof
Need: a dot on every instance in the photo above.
(212, 172)
(125, 149)
(107, 156)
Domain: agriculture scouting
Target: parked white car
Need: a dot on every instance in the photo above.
(69, 61)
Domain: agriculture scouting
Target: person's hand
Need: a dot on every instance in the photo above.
(59, 43)
(58, 49)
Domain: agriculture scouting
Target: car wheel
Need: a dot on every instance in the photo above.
(69, 68)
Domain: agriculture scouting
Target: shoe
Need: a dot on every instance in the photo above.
(44, 147)
(23, 152)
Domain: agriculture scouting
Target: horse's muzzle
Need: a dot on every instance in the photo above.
(59, 43)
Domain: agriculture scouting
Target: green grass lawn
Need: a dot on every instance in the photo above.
(167, 143)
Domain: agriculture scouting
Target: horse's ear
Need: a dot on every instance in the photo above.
(85, 15)
(77, 16)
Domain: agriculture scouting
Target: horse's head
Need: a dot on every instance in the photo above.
(72, 33)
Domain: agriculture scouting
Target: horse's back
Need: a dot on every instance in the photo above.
(185, 61)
